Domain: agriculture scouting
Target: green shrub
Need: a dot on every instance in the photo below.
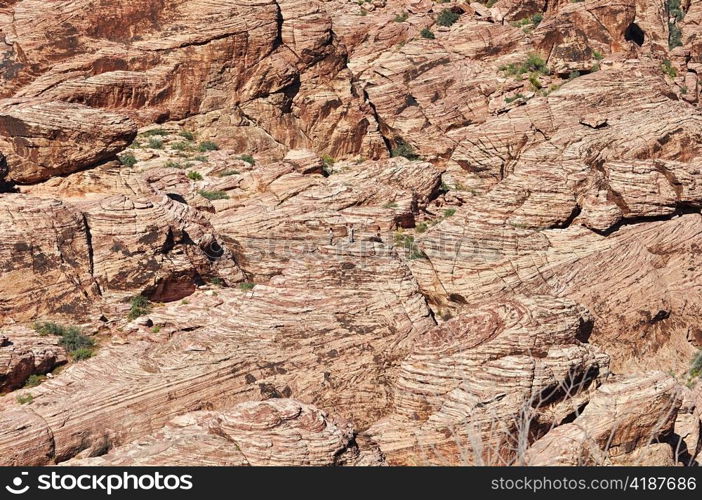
(391, 204)
(422, 227)
(449, 212)
(139, 306)
(207, 146)
(248, 159)
(182, 146)
(71, 336)
(194, 176)
(534, 81)
(528, 23)
(675, 15)
(51, 328)
(25, 399)
(156, 329)
(75, 340)
(217, 281)
(82, 353)
(214, 195)
(447, 17)
(401, 18)
(328, 164)
(407, 241)
(534, 63)
(696, 366)
(246, 286)
(173, 164)
(668, 68)
(34, 380)
(427, 33)
(573, 75)
(510, 100)
(128, 160)
(227, 173)
(155, 143)
(405, 150)
(155, 132)
(200, 158)
(188, 136)
(597, 55)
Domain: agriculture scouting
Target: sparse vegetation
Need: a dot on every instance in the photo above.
(128, 160)
(447, 17)
(228, 173)
(173, 164)
(155, 143)
(513, 98)
(405, 150)
(155, 132)
(194, 176)
(573, 75)
(248, 159)
(427, 33)
(200, 158)
(139, 306)
(534, 81)
(696, 365)
(51, 328)
(25, 399)
(675, 15)
(182, 146)
(534, 63)
(449, 212)
(328, 164)
(214, 195)
(81, 354)
(528, 23)
(34, 380)
(246, 286)
(597, 55)
(217, 281)
(391, 204)
(207, 146)
(401, 18)
(668, 68)
(156, 329)
(421, 227)
(407, 242)
(72, 338)
(188, 136)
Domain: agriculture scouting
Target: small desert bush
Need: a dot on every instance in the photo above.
(128, 160)
(447, 17)
(139, 306)
(207, 146)
(155, 143)
(214, 195)
(405, 150)
(194, 176)
(427, 33)
(248, 159)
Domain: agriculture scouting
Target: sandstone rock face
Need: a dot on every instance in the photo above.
(43, 139)
(397, 232)
(279, 432)
(24, 353)
(620, 417)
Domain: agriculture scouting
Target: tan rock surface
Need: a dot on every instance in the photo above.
(278, 432)
(317, 298)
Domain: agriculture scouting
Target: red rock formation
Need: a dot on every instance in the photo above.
(474, 302)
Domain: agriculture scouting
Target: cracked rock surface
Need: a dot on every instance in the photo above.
(400, 232)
